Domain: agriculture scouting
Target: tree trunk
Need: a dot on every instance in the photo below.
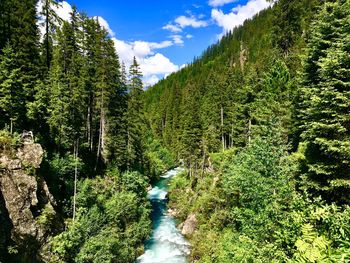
(203, 164)
(47, 34)
(90, 128)
(249, 131)
(222, 129)
(99, 142)
(128, 151)
(76, 149)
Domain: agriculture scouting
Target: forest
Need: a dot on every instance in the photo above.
(260, 121)
(85, 109)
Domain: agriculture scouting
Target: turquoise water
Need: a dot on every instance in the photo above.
(166, 244)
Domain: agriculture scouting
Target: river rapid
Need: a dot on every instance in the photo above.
(166, 244)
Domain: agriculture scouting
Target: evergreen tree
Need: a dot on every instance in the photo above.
(4, 23)
(66, 108)
(18, 28)
(12, 99)
(90, 51)
(58, 108)
(326, 105)
(24, 38)
(117, 112)
(50, 21)
(190, 128)
(110, 100)
(135, 118)
(287, 23)
(274, 101)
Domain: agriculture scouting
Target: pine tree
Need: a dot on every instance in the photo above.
(135, 119)
(12, 100)
(4, 23)
(90, 51)
(116, 142)
(66, 116)
(58, 108)
(326, 95)
(273, 103)
(24, 38)
(18, 28)
(287, 24)
(108, 81)
(50, 22)
(190, 128)
(211, 109)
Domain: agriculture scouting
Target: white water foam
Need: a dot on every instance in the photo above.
(172, 173)
(157, 194)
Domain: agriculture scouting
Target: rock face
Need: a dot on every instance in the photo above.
(23, 197)
(189, 226)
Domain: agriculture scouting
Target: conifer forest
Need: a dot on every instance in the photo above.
(242, 155)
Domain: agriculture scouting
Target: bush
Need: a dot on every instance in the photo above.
(112, 220)
(9, 142)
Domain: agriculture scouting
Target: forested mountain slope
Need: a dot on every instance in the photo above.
(67, 87)
(261, 120)
(228, 81)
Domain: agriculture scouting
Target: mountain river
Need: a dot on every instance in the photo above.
(166, 244)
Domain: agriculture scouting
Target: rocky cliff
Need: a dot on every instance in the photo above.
(27, 209)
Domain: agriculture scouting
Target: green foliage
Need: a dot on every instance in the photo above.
(135, 119)
(311, 247)
(11, 88)
(111, 223)
(47, 217)
(324, 109)
(158, 157)
(59, 175)
(9, 142)
(228, 116)
(250, 210)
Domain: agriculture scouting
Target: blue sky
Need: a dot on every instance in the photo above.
(165, 35)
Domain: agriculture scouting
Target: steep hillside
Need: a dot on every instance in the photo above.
(218, 96)
(261, 121)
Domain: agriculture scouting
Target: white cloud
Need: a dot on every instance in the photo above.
(124, 50)
(177, 39)
(63, 10)
(151, 80)
(163, 44)
(103, 23)
(189, 36)
(216, 3)
(157, 64)
(172, 28)
(142, 49)
(185, 21)
(153, 65)
(238, 14)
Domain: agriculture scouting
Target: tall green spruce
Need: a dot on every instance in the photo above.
(19, 33)
(135, 119)
(12, 100)
(326, 103)
(50, 22)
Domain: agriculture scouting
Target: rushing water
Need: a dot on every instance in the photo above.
(166, 245)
